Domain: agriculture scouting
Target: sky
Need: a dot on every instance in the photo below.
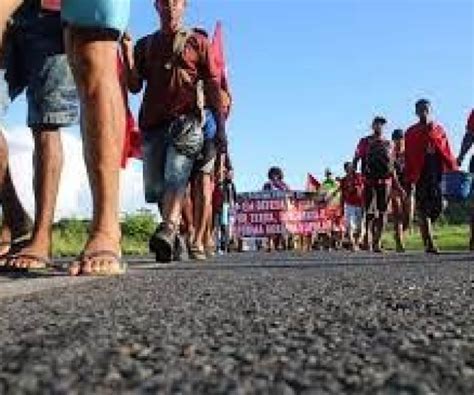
(307, 78)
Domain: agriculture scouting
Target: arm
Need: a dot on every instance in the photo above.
(466, 145)
(212, 84)
(133, 76)
(358, 154)
(7, 9)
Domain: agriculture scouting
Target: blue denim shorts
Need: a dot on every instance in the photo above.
(35, 62)
(108, 14)
(164, 167)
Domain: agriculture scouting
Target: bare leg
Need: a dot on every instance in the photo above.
(203, 208)
(172, 206)
(427, 234)
(93, 56)
(187, 215)
(350, 235)
(48, 163)
(379, 226)
(368, 232)
(399, 223)
(16, 222)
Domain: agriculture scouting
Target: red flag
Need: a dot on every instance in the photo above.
(132, 144)
(312, 184)
(219, 55)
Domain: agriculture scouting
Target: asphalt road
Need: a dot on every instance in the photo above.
(247, 324)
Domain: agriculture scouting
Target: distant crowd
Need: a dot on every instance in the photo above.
(403, 175)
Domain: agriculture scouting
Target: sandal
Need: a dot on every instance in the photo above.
(14, 246)
(42, 264)
(198, 254)
(101, 254)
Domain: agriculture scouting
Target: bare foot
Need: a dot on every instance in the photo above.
(101, 257)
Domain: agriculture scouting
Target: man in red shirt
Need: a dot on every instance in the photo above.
(352, 202)
(466, 145)
(176, 66)
(374, 152)
(427, 156)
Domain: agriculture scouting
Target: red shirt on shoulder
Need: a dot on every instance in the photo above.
(352, 190)
(418, 139)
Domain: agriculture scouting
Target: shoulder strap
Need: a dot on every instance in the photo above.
(179, 44)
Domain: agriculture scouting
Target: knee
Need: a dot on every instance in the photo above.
(48, 145)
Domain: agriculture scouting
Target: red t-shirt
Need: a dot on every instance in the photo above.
(470, 122)
(352, 189)
(171, 92)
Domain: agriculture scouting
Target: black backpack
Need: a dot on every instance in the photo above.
(378, 162)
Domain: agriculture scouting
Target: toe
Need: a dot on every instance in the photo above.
(75, 269)
(87, 267)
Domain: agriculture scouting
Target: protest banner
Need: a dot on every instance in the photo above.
(264, 214)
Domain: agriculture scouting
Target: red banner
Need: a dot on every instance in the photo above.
(264, 214)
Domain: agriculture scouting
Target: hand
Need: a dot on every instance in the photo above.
(221, 140)
(127, 44)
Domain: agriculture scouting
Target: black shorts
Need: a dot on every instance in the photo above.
(377, 198)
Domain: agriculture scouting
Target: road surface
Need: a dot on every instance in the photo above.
(322, 323)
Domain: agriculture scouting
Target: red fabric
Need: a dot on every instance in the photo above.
(470, 122)
(217, 198)
(418, 139)
(219, 55)
(312, 184)
(51, 5)
(132, 143)
(352, 189)
(362, 148)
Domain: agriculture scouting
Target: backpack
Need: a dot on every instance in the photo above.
(379, 161)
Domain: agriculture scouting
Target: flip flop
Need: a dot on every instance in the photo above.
(4, 257)
(45, 264)
(197, 254)
(102, 254)
(15, 245)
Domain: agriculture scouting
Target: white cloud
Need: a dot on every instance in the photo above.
(74, 198)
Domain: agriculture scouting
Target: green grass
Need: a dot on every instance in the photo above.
(64, 246)
(70, 236)
(447, 237)
(70, 239)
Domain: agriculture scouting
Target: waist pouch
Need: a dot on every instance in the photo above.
(186, 135)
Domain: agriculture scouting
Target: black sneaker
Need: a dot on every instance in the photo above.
(162, 243)
(180, 253)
